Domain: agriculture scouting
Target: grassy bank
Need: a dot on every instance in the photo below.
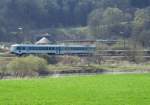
(119, 67)
(95, 90)
(105, 67)
(32, 66)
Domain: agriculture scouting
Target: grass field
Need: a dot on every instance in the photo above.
(83, 90)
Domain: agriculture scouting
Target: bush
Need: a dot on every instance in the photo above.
(27, 66)
(70, 60)
(136, 54)
(2, 71)
(51, 59)
(119, 45)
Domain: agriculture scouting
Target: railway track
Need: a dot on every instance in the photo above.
(101, 53)
(118, 56)
(123, 52)
(6, 56)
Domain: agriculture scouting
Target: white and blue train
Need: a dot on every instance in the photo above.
(20, 49)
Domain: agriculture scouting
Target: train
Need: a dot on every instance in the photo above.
(62, 49)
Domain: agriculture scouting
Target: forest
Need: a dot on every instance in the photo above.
(104, 19)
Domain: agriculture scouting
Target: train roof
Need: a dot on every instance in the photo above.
(53, 45)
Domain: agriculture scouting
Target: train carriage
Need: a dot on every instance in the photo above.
(20, 49)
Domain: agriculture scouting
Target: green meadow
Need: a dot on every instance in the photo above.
(131, 89)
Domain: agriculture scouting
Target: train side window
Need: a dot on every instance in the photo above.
(37, 48)
(23, 48)
(57, 48)
(45, 48)
(49, 48)
(61, 48)
(33, 48)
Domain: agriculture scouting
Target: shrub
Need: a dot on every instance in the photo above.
(70, 60)
(2, 71)
(136, 54)
(51, 59)
(119, 45)
(27, 66)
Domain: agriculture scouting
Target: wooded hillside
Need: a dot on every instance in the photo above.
(104, 18)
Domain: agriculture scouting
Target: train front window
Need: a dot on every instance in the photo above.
(18, 48)
(13, 48)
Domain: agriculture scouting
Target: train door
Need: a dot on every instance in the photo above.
(27, 50)
(57, 50)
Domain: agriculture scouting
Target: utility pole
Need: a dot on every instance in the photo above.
(124, 40)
